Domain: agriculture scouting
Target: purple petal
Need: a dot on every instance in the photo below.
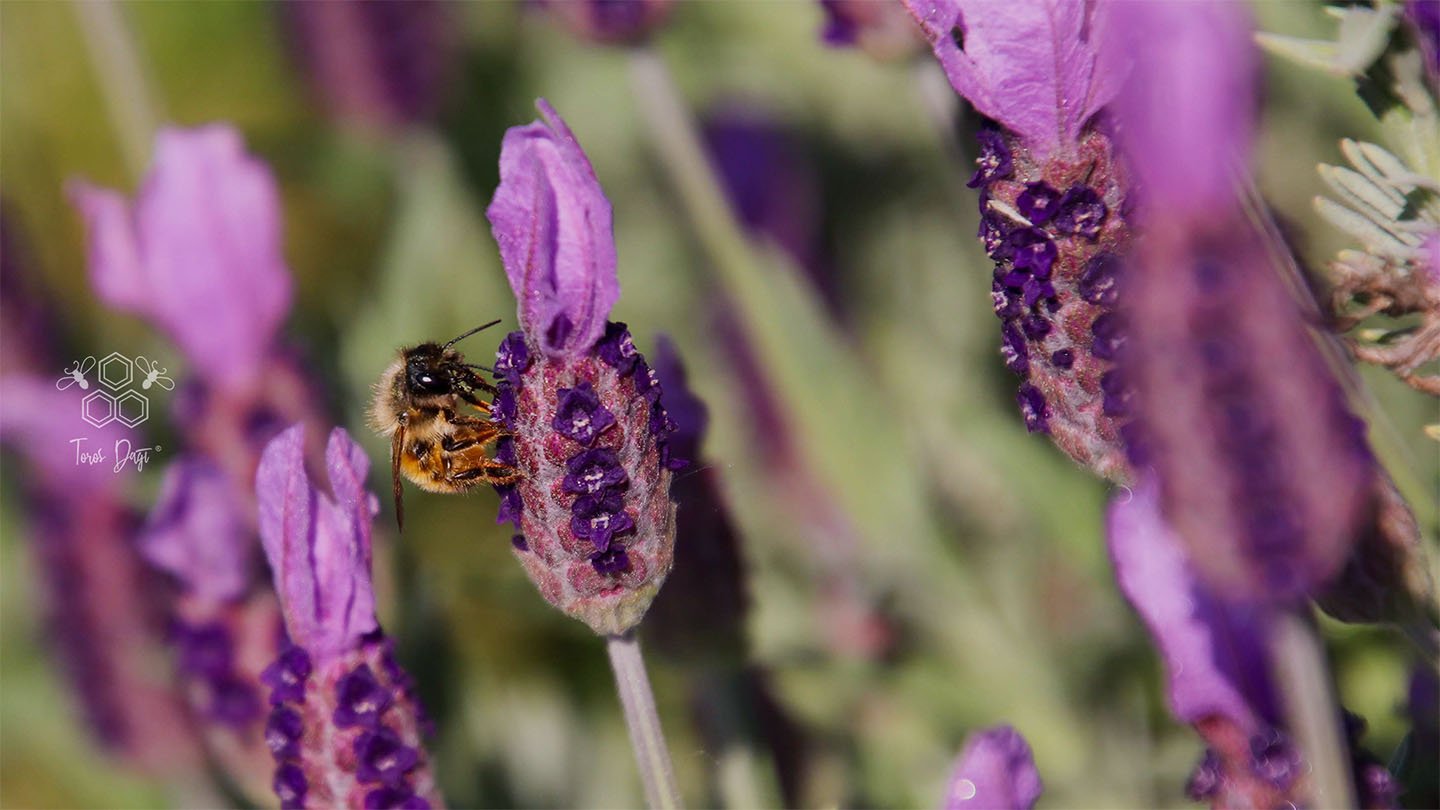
(199, 252)
(1214, 652)
(197, 533)
(319, 549)
(685, 409)
(995, 771)
(1187, 112)
(1031, 66)
(46, 426)
(553, 225)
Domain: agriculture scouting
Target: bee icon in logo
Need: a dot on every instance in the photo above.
(75, 375)
(154, 374)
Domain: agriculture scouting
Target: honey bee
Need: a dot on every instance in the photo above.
(432, 442)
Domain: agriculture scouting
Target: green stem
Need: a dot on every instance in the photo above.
(1311, 711)
(651, 755)
(122, 79)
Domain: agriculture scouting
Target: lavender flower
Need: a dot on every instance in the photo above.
(1052, 203)
(198, 254)
(378, 63)
(1217, 681)
(1262, 469)
(597, 527)
(200, 258)
(610, 22)
(995, 770)
(102, 615)
(344, 723)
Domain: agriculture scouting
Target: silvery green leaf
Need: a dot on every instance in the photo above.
(1377, 201)
(1314, 53)
(1375, 238)
(1363, 35)
(1386, 163)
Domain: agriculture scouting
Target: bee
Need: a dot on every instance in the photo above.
(436, 445)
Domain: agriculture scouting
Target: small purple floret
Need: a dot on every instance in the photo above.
(594, 470)
(617, 349)
(394, 797)
(383, 757)
(611, 561)
(1080, 212)
(283, 731)
(994, 161)
(1274, 759)
(1033, 407)
(579, 414)
(287, 675)
(1098, 283)
(1034, 251)
(1205, 779)
(512, 358)
(1038, 202)
(290, 785)
(1013, 350)
(360, 699)
(1108, 336)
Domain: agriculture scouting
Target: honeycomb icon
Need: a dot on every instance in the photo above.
(98, 408)
(131, 409)
(115, 371)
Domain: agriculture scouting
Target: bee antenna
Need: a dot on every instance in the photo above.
(471, 332)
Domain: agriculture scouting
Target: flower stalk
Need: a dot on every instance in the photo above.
(1298, 661)
(637, 700)
(132, 107)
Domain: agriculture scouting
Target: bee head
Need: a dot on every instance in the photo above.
(427, 371)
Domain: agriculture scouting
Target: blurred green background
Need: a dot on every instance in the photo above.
(934, 571)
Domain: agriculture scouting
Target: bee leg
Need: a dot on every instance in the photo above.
(450, 444)
(473, 380)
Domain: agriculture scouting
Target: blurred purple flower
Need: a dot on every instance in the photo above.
(995, 771)
(552, 222)
(1262, 469)
(1214, 651)
(1424, 17)
(344, 724)
(1189, 105)
(103, 614)
(589, 433)
(378, 63)
(610, 22)
(198, 534)
(1215, 663)
(773, 186)
(198, 254)
(1034, 69)
(881, 28)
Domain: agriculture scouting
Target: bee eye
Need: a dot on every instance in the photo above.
(424, 381)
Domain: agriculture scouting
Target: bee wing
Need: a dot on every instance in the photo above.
(165, 382)
(87, 364)
(397, 446)
(64, 382)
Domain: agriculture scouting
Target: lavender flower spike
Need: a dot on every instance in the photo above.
(995, 771)
(198, 253)
(1262, 469)
(344, 723)
(1053, 198)
(597, 526)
